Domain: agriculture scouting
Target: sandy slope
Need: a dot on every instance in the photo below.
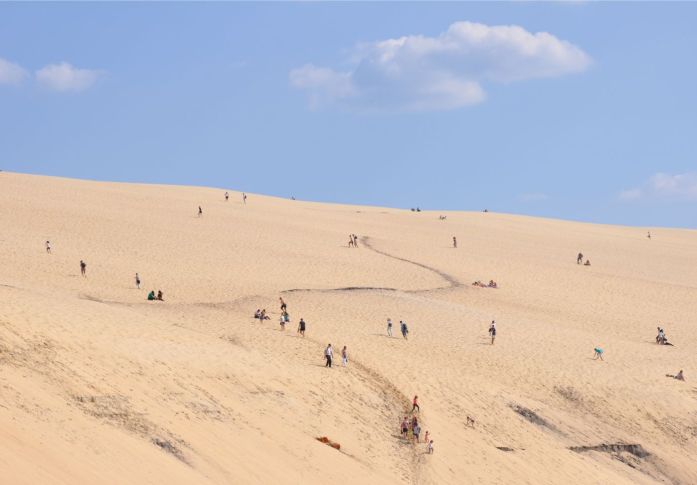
(98, 385)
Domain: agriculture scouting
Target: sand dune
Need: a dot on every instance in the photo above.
(98, 385)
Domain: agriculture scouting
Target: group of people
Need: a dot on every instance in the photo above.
(579, 260)
(329, 356)
(353, 241)
(411, 429)
(261, 315)
(492, 284)
(402, 328)
(158, 297)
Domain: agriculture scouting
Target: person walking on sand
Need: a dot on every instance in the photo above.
(227, 196)
(137, 281)
(350, 243)
(598, 353)
(579, 258)
(454, 242)
(200, 211)
(405, 427)
(389, 327)
(83, 268)
(244, 198)
(301, 327)
(328, 354)
(492, 331)
(648, 235)
(48, 247)
(416, 431)
(404, 329)
(415, 404)
(283, 304)
(344, 356)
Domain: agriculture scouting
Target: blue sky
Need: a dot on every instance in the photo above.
(472, 108)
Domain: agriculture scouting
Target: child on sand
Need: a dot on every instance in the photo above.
(598, 353)
(430, 447)
(282, 321)
(159, 295)
(426, 437)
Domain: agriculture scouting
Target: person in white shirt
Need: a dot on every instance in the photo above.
(328, 354)
(344, 356)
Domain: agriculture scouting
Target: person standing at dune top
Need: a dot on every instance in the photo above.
(83, 268)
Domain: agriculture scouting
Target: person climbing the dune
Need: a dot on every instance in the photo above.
(415, 404)
(598, 353)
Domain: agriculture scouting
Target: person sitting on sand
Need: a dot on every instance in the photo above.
(151, 295)
(587, 263)
(263, 315)
(426, 437)
(579, 258)
(598, 353)
(661, 337)
(492, 284)
(257, 314)
(677, 376)
(159, 295)
(479, 283)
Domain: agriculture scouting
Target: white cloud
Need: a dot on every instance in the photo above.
(11, 73)
(665, 186)
(420, 73)
(65, 77)
(534, 197)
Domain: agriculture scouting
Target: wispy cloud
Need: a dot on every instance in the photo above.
(421, 73)
(665, 186)
(533, 197)
(65, 77)
(11, 73)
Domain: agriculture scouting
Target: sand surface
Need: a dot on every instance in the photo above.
(98, 385)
